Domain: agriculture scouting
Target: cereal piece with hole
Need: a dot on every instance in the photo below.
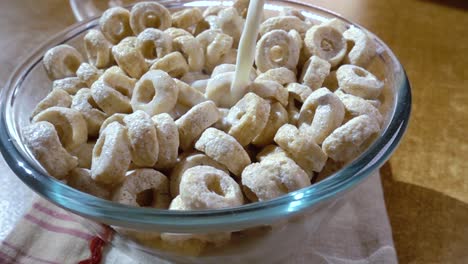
(98, 49)
(327, 43)
(314, 72)
(270, 151)
(154, 43)
(115, 24)
(188, 95)
(218, 87)
(363, 48)
(119, 118)
(168, 140)
(56, 97)
(81, 180)
(71, 85)
(117, 79)
(192, 51)
(293, 111)
(84, 153)
(299, 91)
(356, 106)
(358, 81)
(173, 63)
(88, 73)
(278, 117)
(149, 15)
(270, 90)
(129, 58)
(62, 61)
(108, 99)
(186, 18)
(286, 23)
(230, 22)
(281, 75)
(84, 103)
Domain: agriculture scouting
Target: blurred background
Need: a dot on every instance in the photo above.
(425, 182)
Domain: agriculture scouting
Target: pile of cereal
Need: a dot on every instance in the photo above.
(148, 120)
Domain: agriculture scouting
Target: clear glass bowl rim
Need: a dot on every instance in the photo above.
(207, 220)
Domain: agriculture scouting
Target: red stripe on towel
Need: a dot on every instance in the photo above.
(58, 229)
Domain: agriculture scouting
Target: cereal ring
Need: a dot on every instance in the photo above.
(71, 85)
(228, 67)
(119, 118)
(347, 141)
(62, 61)
(81, 180)
(192, 51)
(108, 99)
(56, 97)
(129, 58)
(230, 22)
(200, 27)
(270, 90)
(286, 23)
(286, 11)
(149, 15)
(375, 103)
(98, 49)
(330, 81)
(44, 143)
(204, 187)
(224, 149)
(212, 10)
(70, 125)
(177, 32)
(314, 72)
(191, 77)
(298, 91)
(84, 153)
(215, 51)
(154, 43)
(195, 121)
(168, 139)
(111, 155)
(276, 49)
(117, 79)
(230, 57)
(223, 124)
(358, 81)
(293, 111)
(281, 75)
(178, 111)
(114, 24)
(188, 95)
(270, 151)
(173, 63)
(218, 87)
(248, 118)
(186, 18)
(338, 24)
(272, 177)
(363, 48)
(144, 188)
(143, 138)
(301, 147)
(356, 106)
(187, 162)
(322, 112)
(84, 103)
(278, 117)
(327, 43)
(241, 6)
(155, 93)
(88, 73)
(200, 85)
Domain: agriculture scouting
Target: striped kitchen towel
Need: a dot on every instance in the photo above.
(48, 235)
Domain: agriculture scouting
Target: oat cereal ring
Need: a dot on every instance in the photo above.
(278, 117)
(149, 15)
(155, 93)
(229, 67)
(62, 61)
(56, 97)
(70, 125)
(143, 138)
(346, 142)
(81, 180)
(71, 85)
(178, 111)
(286, 23)
(195, 121)
(322, 112)
(187, 162)
(241, 6)
(191, 77)
(109, 99)
(117, 79)
(356, 106)
(88, 73)
(111, 155)
(154, 43)
(119, 118)
(270, 90)
(129, 58)
(114, 24)
(298, 91)
(173, 63)
(205, 187)
(223, 124)
(200, 85)
(218, 87)
(363, 50)
(248, 118)
(293, 111)
(375, 103)
(215, 51)
(212, 10)
(168, 139)
(337, 24)
(358, 81)
(301, 147)
(314, 72)
(230, 22)
(84, 153)
(144, 188)
(327, 43)
(84, 103)
(188, 95)
(286, 11)
(42, 140)
(272, 177)
(224, 149)
(270, 151)
(177, 32)
(98, 49)
(276, 49)
(281, 75)
(230, 57)
(192, 51)
(186, 18)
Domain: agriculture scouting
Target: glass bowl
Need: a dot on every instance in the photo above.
(264, 230)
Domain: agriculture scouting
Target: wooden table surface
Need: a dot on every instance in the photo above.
(426, 181)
